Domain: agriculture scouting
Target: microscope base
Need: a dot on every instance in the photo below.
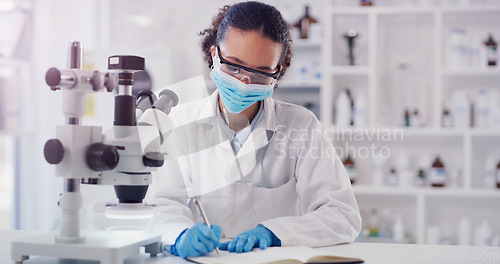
(98, 246)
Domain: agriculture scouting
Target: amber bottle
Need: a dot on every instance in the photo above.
(491, 50)
(350, 167)
(304, 24)
(498, 175)
(438, 173)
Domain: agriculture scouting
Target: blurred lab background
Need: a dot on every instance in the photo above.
(408, 91)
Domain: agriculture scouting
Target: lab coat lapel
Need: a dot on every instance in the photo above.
(207, 115)
(224, 159)
(259, 138)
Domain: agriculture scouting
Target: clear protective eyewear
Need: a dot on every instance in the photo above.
(240, 71)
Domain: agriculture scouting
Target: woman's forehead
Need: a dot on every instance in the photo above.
(251, 48)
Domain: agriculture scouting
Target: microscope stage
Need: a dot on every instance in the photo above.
(103, 246)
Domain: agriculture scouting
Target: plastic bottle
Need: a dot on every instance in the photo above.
(456, 48)
(437, 175)
(433, 235)
(393, 177)
(385, 226)
(491, 51)
(350, 167)
(445, 238)
(483, 235)
(461, 109)
(489, 174)
(482, 109)
(373, 223)
(398, 231)
(447, 120)
(404, 174)
(495, 242)
(415, 120)
(360, 110)
(475, 51)
(343, 110)
(378, 168)
(304, 23)
(464, 232)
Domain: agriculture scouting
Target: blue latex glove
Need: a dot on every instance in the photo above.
(196, 241)
(260, 237)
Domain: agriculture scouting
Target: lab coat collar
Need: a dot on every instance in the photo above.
(259, 136)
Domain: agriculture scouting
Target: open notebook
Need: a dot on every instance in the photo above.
(298, 254)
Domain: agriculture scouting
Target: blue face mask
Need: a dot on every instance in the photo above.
(236, 95)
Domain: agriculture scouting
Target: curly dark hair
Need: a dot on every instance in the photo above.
(249, 16)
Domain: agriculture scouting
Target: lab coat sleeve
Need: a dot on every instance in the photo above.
(168, 192)
(330, 214)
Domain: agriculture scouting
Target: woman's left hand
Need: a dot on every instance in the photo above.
(260, 237)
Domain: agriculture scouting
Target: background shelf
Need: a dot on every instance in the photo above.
(404, 63)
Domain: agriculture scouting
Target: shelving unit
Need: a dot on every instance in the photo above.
(302, 82)
(425, 81)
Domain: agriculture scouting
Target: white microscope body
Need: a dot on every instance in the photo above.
(124, 156)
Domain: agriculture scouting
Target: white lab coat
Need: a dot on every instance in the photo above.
(296, 187)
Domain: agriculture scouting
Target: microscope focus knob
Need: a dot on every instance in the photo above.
(110, 81)
(97, 81)
(53, 77)
(102, 157)
(53, 151)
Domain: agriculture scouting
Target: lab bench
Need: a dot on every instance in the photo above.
(372, 253)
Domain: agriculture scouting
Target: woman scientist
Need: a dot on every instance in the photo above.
(264, 175)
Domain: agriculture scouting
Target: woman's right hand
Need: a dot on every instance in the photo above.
(196, 241)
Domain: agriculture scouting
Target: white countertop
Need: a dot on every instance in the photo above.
(372, 253)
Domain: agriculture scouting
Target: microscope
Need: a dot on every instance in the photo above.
(123, 156)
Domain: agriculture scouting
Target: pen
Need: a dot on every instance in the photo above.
(202, 212)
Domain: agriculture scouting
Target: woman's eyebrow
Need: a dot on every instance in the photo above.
(264, 68)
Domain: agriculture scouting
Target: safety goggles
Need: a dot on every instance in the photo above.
(240, 71)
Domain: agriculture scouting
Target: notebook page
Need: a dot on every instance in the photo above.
(269, 255)
(253, 257)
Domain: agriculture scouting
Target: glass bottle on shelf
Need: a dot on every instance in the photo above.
(373, 223)
(304, 24)
(498, 175)
(422, 172)
(437, 173)
(350, 167)
(366, 2)
(420, 181)
(385, 224)
(415, 120)
(407, 117)
(491, 50)
(447, 121)
(393, 177)
(378, 167)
